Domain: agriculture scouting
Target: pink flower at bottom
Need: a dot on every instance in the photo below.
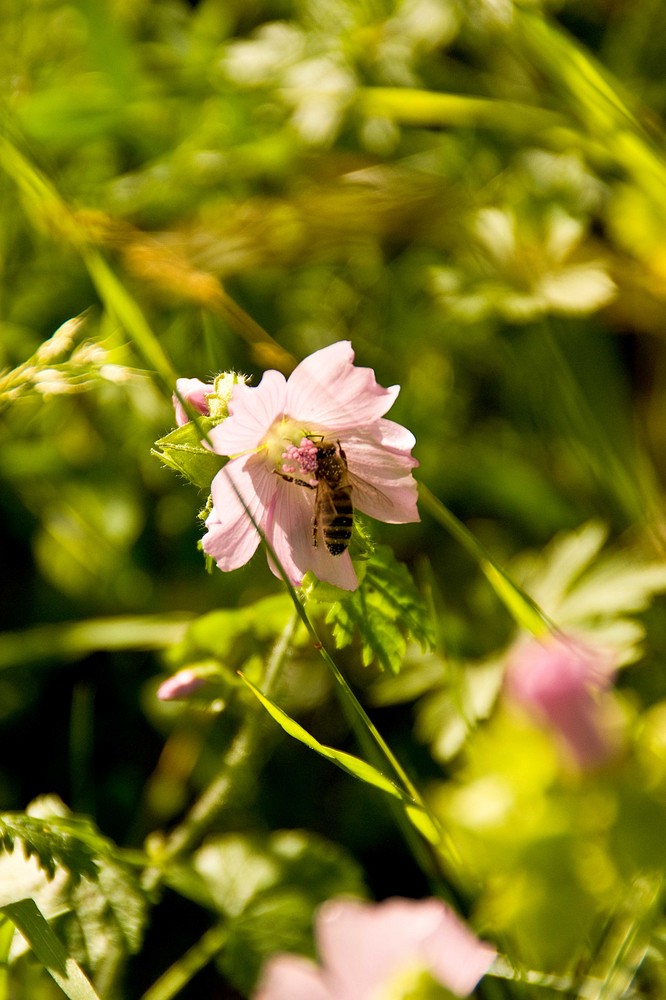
(364, 946)
(563, 682)
(276, 435)
(194, 392)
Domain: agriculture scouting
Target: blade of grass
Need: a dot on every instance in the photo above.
(48, 949)
(592, 97)
(411, 106)
(48, 210)
(425, 823)
(6, 936)
(525, 611)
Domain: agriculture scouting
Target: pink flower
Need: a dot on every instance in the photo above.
(194, 392)
(277, 435)
(562, 682)
(180, 685)
(364, 946)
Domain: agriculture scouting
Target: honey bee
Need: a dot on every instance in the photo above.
(333, 507)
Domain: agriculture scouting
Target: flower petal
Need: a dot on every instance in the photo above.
(328, 390)
(383, 485)
(561, 681)
(232, 539)
(252, 411)
(396, 438)
(454, 955)
(289, 528)
(290, 977)
(338, 570)
(289, 531)
(180, 685)
(357, 947)
(363, 945)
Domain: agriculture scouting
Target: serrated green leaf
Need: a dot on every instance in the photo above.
(183, 451)
(105, 909)
(49, 950)
(385, 611)
(111, 914)
(51, 842)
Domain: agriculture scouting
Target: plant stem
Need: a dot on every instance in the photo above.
(179, 974)
(213, 800)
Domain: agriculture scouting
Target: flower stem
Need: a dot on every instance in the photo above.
(179, 974)
(213, 800)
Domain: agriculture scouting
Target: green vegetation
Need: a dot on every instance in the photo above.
(472, 192)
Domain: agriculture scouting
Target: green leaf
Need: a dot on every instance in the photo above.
(183, 452)
(593, 593)
(74, 640)
(105, 909)
(385, 611)
(53, 842)
(355, 766)
(49, 950)
(232, 633)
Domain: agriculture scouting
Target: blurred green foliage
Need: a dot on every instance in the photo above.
(474, 193)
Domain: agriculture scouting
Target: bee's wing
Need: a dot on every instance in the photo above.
(362, 490)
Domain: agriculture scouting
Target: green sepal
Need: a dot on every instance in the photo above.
(183, 452)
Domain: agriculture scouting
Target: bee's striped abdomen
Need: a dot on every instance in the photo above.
(338, 521)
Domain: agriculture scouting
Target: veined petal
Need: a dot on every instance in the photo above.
(328, 390)
(232, 539)
(289, 528)
(394, 436)
(252, 411)
(289, 531)
(291, 977)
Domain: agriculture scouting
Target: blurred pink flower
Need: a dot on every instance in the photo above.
(180, 685)
(364, 946)
(563, 681)
(194, 392)
(278, 427)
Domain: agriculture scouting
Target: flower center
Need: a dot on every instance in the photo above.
(292, 449)
(302, 460)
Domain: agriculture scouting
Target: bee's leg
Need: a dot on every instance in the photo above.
(298, 482)
(315, 523)
(341, 452)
